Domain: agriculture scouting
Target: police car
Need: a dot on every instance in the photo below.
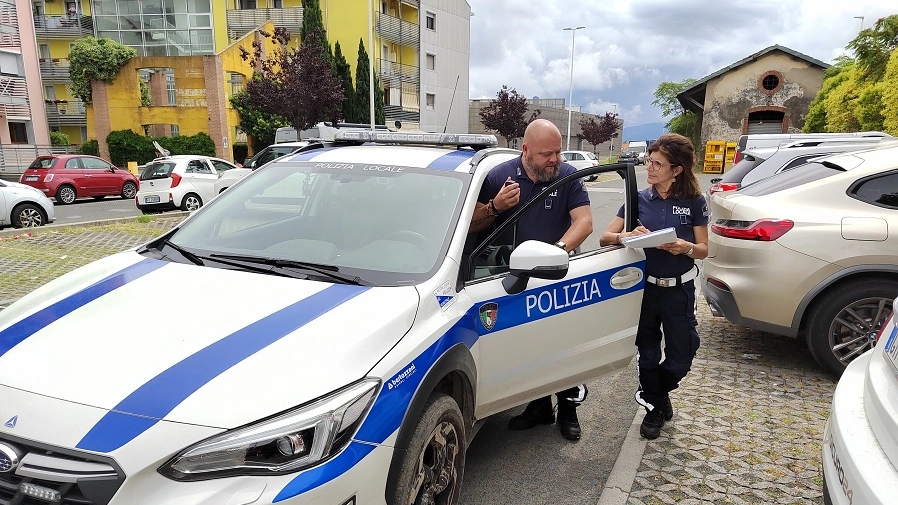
(371, 336)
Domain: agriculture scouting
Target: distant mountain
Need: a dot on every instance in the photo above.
(648, 131)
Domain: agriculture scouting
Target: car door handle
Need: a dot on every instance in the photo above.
(620, 280)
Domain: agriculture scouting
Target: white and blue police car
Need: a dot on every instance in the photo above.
(372, 334)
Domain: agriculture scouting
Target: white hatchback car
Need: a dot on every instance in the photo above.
(581, 160)
(22, 206)
(374, 333)
(183, 182)
(860, 452)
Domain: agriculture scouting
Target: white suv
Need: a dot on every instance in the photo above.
(183, 182)
(373, 334)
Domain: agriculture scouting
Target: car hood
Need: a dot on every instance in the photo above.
(22, 187)
(193, 344)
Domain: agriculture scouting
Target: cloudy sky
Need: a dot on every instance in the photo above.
(628, 47)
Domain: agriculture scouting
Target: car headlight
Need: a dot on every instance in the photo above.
(286, 443)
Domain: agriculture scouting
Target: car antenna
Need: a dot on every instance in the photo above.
(450, 103)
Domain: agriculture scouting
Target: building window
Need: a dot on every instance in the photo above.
(247, 4)
(431, 61)
(18, 134)
(431, 22)
(770, 82)
(430, 100)
(83, 131)
(278, 4)
(175, 131)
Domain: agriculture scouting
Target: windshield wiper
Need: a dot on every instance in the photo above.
(324, 270)
(193, 258)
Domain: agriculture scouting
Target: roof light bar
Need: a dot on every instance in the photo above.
(443, 139)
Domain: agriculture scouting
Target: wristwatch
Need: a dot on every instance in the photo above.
(561, 245)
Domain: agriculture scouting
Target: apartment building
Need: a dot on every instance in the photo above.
(23, 123)
(421, 51)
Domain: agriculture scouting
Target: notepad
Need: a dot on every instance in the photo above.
(651, 239)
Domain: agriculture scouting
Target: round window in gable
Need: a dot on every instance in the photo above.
(770, 82)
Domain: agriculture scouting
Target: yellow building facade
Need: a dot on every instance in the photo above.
(179, 41)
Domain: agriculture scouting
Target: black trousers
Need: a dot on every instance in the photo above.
(673, 310)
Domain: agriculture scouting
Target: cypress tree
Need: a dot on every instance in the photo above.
(344, 73)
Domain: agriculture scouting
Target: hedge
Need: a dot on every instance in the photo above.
(125, 146)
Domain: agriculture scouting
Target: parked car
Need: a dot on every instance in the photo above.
(810, 253)
(23, 206)
(67, 177)
(765, 140)
(859, 454)
(629, 157)
(581, 160)
(183, 182)
(261, 158)
(756, 164)
(372, 337)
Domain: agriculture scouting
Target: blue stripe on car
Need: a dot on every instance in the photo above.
(451, 160)
(395, 396)
(18, 332)
(160, 395)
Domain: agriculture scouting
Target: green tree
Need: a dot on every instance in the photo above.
(363, 91)
(681, 121)
(873, 46)
(815, 121)
(312, 22)
(890, 96)
(93, 59)
(257, 123)
(344, 73)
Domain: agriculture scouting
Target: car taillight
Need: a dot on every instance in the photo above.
(764, 230)
(48, 177)
(737, 157)
(723, 186)
(175, 180)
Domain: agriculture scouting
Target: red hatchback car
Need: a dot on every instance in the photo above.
(66, 177)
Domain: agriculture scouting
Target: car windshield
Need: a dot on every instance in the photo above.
(796, 177)
(42, 163)
(157, 170)
(389, 228)
(591, 156)
(742, 167)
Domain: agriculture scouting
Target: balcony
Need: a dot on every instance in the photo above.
(394, 75)
(65, 113)
(243, 21)
(55, 69)
(63, 27)
(398, 31)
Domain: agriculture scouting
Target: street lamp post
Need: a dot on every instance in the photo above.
(573, 31)
(862, 22)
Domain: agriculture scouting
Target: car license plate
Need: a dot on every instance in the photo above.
(891, 348)
(151, 199)
(32, 178)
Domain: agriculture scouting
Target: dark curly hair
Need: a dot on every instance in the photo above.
(680, 152)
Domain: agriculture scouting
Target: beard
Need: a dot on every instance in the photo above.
(543, 174)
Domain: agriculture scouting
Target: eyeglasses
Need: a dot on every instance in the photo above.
(653, 165)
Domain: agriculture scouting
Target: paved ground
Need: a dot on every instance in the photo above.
(749, 417)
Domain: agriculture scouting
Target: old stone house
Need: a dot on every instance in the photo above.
(767, 92)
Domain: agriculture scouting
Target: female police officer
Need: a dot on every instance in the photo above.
(673, 199)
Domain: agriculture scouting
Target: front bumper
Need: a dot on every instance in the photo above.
(855, 468)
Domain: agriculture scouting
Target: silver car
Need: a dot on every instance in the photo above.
(22, 206)
(810, 253)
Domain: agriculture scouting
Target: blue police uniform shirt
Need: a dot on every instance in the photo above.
(656, 213)
(547, 221)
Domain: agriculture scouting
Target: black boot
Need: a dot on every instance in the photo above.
(538, 411)
(667, 409)
(568, 424)
(652, 423)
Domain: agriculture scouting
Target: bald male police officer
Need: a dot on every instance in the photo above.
(564, 220)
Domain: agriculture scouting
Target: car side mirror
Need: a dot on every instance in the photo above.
(250, 164)
(534, 259)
